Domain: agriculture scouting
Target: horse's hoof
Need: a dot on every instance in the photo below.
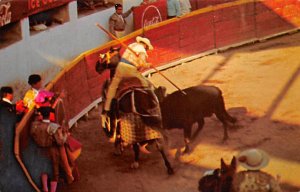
(170, 171)
(186, 151)
(135, 165)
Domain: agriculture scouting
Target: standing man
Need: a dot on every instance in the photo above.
(6, 97)
(117, 22)
(35, 81)
(173, 7)
(129, 66)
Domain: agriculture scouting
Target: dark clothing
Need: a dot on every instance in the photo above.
(7, 106)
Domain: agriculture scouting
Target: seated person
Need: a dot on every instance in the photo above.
(253, 179)
(41, 20)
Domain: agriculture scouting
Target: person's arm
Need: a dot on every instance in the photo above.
(112, 22)
(127, 13)
(142, 61)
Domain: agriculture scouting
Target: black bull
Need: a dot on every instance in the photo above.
(182, 111)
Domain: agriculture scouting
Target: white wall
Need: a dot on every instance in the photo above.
(127, 4)
(39, 53)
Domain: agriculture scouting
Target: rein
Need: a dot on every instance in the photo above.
(132, 96)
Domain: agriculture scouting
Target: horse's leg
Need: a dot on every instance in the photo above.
(136, 150)
(118, 140)
(160, 147)
(200, 126)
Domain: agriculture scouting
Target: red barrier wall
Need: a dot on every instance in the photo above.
(203, 30)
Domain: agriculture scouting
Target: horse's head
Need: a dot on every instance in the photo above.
(226, 174)
(220, 179)
(108, 60)
(228, 170)
(161, 93)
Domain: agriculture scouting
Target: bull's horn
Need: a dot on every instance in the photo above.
(143, 149)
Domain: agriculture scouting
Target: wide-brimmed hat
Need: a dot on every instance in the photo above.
(253, 159)
(144, 40)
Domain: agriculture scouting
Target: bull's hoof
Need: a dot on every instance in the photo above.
(170, 171)
(134, 165)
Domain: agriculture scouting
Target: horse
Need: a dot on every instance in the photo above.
(136, 114)
(220, 180)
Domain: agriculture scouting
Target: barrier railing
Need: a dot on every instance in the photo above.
(198, 33)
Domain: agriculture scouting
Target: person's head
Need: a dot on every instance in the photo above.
(253, 159)
(119, 8)
(45, 111)
(35, 81)
(6, 92)
(145, 42)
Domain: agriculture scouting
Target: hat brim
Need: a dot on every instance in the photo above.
(140, 39)
(263, 164)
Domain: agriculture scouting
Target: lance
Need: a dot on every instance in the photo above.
(135, 53)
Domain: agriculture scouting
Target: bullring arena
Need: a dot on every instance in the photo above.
(247, 48)
(268, 118)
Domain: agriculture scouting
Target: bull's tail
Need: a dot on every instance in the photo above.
(221, 111)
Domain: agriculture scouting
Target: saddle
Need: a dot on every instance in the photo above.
(133, 88)
(129, 84)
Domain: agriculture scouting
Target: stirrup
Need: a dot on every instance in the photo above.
(105, 122)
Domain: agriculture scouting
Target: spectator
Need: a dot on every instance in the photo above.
(185, 6)
(145, 2)
(91, 4)
(173, 7)
(253, 179)
(40, 21)
(6, 97)
(117, 22)
(35, 81)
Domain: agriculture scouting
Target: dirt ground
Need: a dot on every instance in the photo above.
(260, 84)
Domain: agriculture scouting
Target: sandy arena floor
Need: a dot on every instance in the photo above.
(260, 84)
